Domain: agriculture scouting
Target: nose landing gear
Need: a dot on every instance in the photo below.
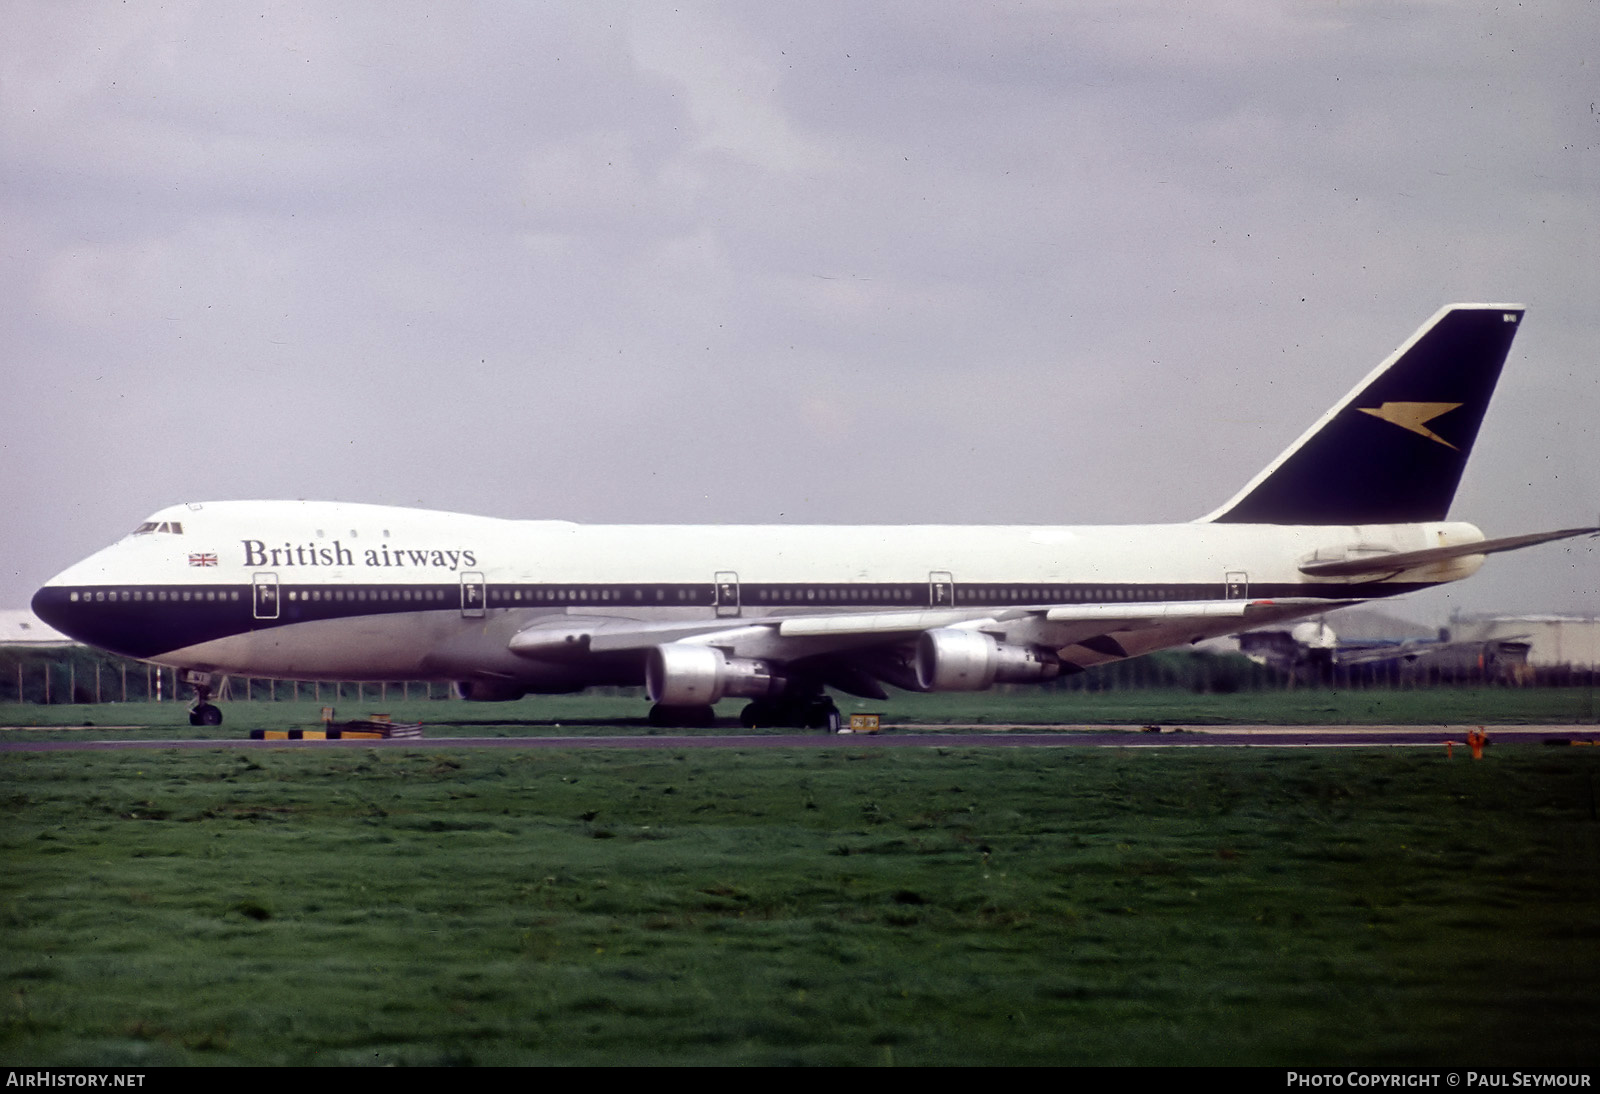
(201, 712)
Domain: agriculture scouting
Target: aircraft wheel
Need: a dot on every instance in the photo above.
(821, 714)
(760, 713)
(683, 717)
(205, 715)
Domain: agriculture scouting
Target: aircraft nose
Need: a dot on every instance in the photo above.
(138, 621)
(96, 617)
(55, 606)
(51, 608)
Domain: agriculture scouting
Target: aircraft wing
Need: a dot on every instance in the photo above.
(788, 637)
(561, 638)
(1084, 634)
(1060, 624)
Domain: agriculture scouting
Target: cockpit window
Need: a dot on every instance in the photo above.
(173, 526)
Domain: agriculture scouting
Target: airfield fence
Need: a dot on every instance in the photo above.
(73, 674)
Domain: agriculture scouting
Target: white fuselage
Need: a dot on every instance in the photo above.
(317, 590)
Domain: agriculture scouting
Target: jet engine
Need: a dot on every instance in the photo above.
(678, 674)
(967, 660)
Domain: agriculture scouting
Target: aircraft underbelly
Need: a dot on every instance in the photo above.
(336, 649)
(411, 646)
(370, 647)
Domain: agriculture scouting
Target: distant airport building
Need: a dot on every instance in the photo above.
(1364, 646)
(20, 627)
(1553, 641)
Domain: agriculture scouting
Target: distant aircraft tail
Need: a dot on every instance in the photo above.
(1392, 451)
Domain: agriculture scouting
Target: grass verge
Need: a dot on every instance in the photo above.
(852, 906)
(579, 714)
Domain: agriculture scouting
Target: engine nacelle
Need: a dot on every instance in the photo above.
(967, 660)
(679, 674)
(488, 691)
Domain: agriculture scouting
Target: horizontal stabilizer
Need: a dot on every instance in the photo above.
(1383, 565)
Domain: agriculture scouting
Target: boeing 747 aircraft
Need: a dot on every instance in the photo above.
(1353, 510)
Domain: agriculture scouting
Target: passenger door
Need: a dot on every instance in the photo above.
(265, 595)
(726, 585)
(473, 595)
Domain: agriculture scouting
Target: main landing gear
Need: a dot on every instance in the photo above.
(798, 712)
(795, 711)
(201, 712)
(697, 717)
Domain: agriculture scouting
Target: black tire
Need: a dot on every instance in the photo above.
(208, 715)
(683, 717)
(821, 714)
(760, 713)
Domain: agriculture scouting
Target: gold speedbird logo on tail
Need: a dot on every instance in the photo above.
(1413, 417)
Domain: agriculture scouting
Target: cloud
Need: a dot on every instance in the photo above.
(730, 89)
(727, 261)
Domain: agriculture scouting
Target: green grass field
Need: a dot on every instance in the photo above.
(848, 906)
(1025, 706)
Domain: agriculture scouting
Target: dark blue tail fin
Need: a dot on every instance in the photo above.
(1392, 451)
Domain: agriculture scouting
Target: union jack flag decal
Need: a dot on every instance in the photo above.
(202, 560)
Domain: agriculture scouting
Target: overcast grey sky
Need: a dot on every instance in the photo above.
(831, 262)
